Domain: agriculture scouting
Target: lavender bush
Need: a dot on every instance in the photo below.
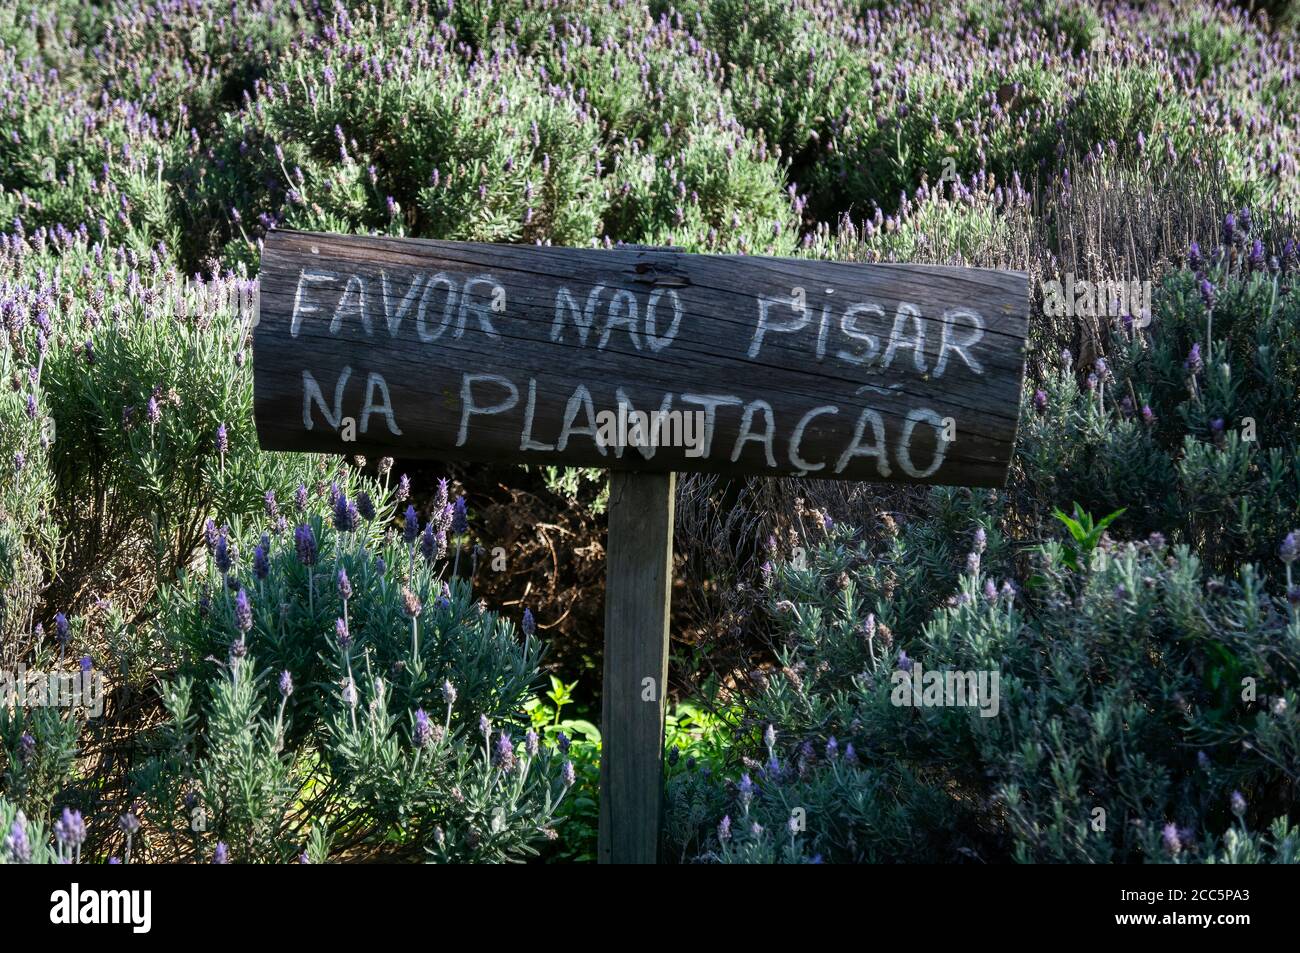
(1152, 680)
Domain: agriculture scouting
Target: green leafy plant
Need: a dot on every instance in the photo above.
(1085, 532)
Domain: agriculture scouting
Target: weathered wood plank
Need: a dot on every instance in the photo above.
(638, 575)
(512, 353)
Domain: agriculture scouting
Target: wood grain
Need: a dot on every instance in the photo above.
(410, 329)
(638, 577)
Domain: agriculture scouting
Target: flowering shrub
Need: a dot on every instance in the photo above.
(1153, 679)
(1120, 690)
(729, 125)
(28, 543)
(1191, 415)
(336, 675)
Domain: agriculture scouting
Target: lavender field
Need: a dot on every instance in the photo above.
(212, 653)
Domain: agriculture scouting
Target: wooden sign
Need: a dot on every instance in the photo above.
(648, 362)
(645, 359)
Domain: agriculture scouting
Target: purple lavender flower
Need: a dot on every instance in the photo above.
(423, 729)
(345, 585)
(286, 683)
(1148, 415)
(243, 612)
(300, 498)
(223, 439)
(261, 564)
(1208, 295)
(1040, 401)
(1194, 260)
(26, 747)
(70, 829)
(87, 664)
(1256, 258)
(62, 630)
(1170, 838)
(459, 518)
(222, 854)
(221, 554)
(503, 756)
(1289, 549)
(529, 625)
(411, 527)
(16, 842)
(403, 488)
(904, 662)
(428, 543)
(345, 515)
(1238, 803)
(153, 412)
(746, 789)
(724, 829)
(304, 541)
(1193, 363)
(567, 773)
(448, 692)
(1230, 231)
(365, 506)
(272, 508)
(341, 633)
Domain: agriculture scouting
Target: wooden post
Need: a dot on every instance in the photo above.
(638, 583)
